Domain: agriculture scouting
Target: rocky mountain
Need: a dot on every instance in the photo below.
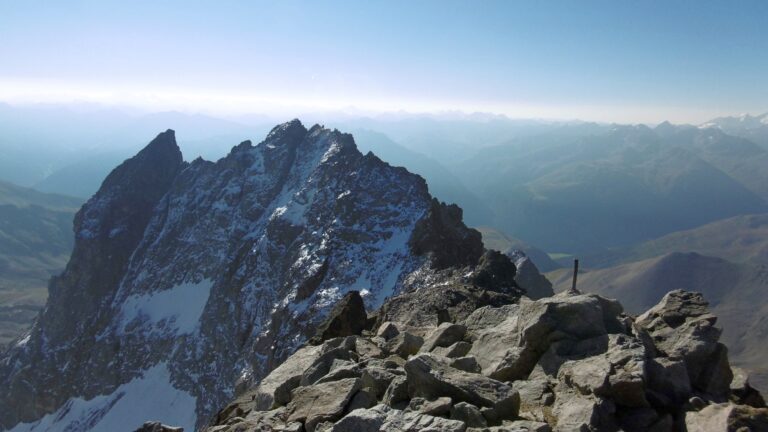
(440, 359)
(753, 128)
(497, 240)
(189, 279)
(35, 242)
(443, 185)
(735, 290)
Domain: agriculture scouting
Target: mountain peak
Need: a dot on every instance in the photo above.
(233, 263)
(290, 129)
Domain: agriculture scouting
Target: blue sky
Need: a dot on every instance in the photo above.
(597, 60)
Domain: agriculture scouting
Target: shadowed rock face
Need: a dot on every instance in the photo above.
(565, 363)
(188, 278)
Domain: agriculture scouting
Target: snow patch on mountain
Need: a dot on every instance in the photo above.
(150, 396)
(177, 309)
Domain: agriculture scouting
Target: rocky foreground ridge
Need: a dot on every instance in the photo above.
(459, 357)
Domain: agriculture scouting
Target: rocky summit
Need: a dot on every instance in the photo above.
(189, 280)
(457, 356)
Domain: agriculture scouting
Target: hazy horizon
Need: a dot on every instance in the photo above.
(625, 62)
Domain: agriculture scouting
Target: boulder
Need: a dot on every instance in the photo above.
(347, 318)
(362, 399)
(668, 381)
(323, 363)
(438, 407)
(576, 412)
(727, 417)
(451, 301)
(467, 364)
(377, 379)
(384, 418)
(367, 349)
(275, 389)
(682, 328)
(321, 402)
(509, 350)
(446, 334)
(404, 344)
(387, 330)
(459, 349)
(742, 392)
(528, 277)
(396, 392)
(430, 378)
(468, 414)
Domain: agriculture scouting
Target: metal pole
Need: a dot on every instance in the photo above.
(575, 273)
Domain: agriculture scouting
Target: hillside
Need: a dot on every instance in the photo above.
(738, 239)
(35, 242)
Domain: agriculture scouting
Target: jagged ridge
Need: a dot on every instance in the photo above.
(203, 274)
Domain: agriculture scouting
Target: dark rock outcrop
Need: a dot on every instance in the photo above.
(347, 318)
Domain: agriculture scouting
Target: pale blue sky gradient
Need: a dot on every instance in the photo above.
(596, 60)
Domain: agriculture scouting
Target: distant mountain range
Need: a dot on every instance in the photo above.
(753, 128)
(579, 194)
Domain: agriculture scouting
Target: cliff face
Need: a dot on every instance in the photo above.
(188, 278)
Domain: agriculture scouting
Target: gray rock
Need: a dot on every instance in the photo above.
(438, 407)
(528, 277)
(467, 364)
(347, 318)
(377, 379)
(669, 378)
(361, 420)
(488, 317)
(383, 418)
(428, 377)
(469, 414)
(321, 402)
(727, 417)
(509, 350)
(387, 330)
(322, 365)
(367, 349)
(459, 349)
(275, 388)
(682, 328)
(576, 412)
(362, 399)
(396, 392)
(349, 370)
(404, 344)
(742, 392)
(446, 334)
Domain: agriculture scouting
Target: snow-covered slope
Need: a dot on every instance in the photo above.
(187, 277)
